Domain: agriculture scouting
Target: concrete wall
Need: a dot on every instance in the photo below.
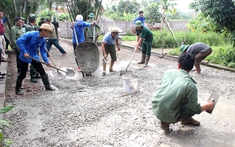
(66, 31)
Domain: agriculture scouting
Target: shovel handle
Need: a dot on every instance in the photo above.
(52, 61)
(46, 64)
(130, 61)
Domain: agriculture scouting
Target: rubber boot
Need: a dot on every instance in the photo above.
(111, 66)
(46, 83)
(38, 76)
(18, 87)
(142, 59)
(104, 68)
(33, 74)
(146, 61)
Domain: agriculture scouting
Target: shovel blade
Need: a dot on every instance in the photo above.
(70, 72)
(122, 72)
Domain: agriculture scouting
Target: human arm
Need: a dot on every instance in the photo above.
(103, 49)
(207, 106)
(20, 42)
(72, 25)
(4, 19)
(117, 43)
(93, 23)
(139, 41)
(13, 35)
(44, 52)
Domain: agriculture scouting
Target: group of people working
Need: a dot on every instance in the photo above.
(177, 97)
(175, 100)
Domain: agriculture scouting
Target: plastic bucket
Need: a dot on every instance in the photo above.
(130, 82)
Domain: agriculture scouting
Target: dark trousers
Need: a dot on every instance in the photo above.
(7, 41)
(147, 47)
(74, 50)
(185, 112)
(24, 68)
(18, 65)
(55, 42)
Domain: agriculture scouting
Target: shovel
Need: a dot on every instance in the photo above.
(70, 72)
(124, 71)
(52, 61)
(213, 98)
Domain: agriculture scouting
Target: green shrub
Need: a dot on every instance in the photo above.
(5, 123)
(164, 38)
(129, 38)
(223, 55)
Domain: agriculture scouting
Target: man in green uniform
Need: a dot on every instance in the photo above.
(144, 37)
(32, 26)
(90, 30)
(16, 32)
(177, 96)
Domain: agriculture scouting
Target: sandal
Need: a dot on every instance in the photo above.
(2, 74)
(2, 77)
(111, 70)
(103, 73)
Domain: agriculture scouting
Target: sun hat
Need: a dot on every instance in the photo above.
(91, 15)
(115, 29)
(45, 26)
(138, 23)
(22, 18)
(79, 17)
(183, 48)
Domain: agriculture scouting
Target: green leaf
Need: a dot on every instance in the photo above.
(5, 109)
(1, 136)
(4, 123)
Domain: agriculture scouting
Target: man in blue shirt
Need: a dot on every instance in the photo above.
(78, 33)
(28, 45)
(108, 47)
(140, 17)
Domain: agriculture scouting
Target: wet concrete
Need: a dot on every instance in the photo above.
(96, 111)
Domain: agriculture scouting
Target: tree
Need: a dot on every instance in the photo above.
(128, 6)
(153, 14)
(17, 8)
(220, 12)
(83, 7)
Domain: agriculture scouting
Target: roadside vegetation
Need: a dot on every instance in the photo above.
(223, 50)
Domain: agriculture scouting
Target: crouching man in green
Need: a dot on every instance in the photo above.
(177, 97)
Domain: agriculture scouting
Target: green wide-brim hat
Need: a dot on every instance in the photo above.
(183, 48)
(138, 23)
(91, 15)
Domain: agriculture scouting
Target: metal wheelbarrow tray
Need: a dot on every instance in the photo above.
(87, 54)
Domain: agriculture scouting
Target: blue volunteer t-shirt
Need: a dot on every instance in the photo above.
(79, 28)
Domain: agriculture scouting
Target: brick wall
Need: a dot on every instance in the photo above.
(66, 31)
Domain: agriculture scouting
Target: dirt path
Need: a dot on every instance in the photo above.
(96, 112)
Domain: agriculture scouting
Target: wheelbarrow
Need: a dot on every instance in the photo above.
(87, 55)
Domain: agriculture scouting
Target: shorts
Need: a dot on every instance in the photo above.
(110, 49)
(200, 56)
